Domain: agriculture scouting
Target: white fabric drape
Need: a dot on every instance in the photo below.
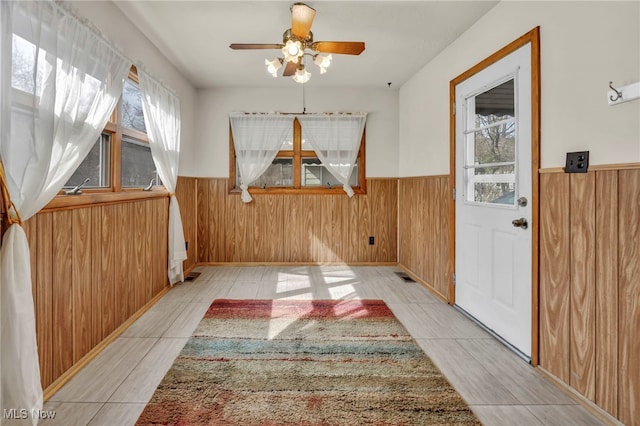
(257, 139)
(59, 82)
(336, 140)
(161, 110)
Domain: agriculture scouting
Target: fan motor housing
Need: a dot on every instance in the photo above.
(288, 35)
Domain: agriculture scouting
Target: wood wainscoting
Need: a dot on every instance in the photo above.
(92, 269)
(590, 285)
(186, 195)
(423, 224)
(283, 228)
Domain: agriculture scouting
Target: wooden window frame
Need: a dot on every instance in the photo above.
(297, 154)
(115, 192)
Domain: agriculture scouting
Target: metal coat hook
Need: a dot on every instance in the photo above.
(618, 94)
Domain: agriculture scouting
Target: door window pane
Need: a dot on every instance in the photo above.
(137, 164)
(495, 105)
(496, 173)
(495, 144)
(494, 193)
(96, 166)
(491, 146)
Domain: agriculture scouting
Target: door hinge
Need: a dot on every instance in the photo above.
(454, 279)
(454, 193)
(454, 108)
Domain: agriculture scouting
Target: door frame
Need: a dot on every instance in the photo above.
(532, 37)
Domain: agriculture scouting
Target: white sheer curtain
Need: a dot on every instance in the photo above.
(257, 139)
(161, 110)
(336, 140)
(59, 82)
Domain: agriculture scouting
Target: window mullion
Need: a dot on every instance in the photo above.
(116, 164)
(116, 153)
(297, 159)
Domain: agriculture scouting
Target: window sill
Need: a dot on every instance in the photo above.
(299, 191)
(64, 202)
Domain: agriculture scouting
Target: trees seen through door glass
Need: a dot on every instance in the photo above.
(491, 145)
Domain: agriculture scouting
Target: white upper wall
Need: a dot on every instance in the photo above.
(135, 46)
(212, 121)
(583, 46)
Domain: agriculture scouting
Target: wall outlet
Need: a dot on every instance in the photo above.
(577, 162)
(372, 241)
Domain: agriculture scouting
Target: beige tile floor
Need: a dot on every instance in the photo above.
(500, 387)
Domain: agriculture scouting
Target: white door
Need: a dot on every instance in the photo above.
(492, 198)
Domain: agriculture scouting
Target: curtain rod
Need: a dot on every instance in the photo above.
(67, 9)
(140, 66)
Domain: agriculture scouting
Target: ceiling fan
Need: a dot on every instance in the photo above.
(295, 43)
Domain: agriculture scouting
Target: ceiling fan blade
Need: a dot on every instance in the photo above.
(290, 69)
(243, 46)
(301, 19)
(340, 47)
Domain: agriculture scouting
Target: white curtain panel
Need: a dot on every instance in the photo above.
(257, 139)
(59, 82)
(161, 110)
(335, 138)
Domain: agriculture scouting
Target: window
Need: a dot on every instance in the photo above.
(132, 117)
(297, 169)
(490, 146)
(123, 139)
(137, 163)
(121, 158)
(96, 167)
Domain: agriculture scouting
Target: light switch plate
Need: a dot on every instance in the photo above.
(577, 162)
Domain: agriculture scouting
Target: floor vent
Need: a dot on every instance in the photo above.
(405, 277)
(192, 276)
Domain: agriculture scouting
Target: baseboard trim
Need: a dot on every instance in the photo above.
(296, 264)
(580, 399)
(423, 283)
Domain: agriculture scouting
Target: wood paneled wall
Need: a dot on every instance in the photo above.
(423, 224)
(186, 194)
(297, 228)
(92, 269)
(2, 217)
(590, 286)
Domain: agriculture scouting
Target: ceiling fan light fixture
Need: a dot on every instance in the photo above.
(301, 76)
(323, 62)
(273, 66)
(292, 50)
(298, 42)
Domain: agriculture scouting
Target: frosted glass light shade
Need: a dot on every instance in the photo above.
(301, 76)
(292, 50)
(273, 66)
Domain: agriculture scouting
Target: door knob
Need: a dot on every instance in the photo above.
(520, 223)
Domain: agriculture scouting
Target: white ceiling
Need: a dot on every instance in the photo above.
(400, 37)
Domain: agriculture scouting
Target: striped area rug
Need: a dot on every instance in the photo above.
(311, 362)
